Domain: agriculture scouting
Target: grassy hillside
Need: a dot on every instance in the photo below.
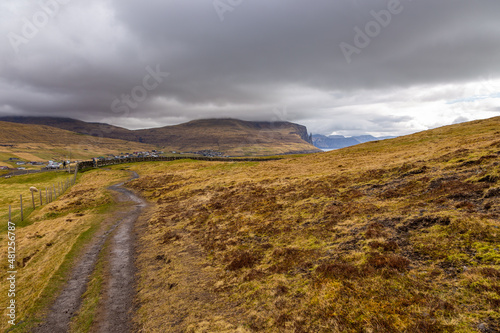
(72, 125)
(231, 136)
(51, 238)
(42, 143)
(13, 187)
(393, 236)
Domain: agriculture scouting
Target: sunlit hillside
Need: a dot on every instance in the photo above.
(393, 236)
(52, 237)
(39, 143)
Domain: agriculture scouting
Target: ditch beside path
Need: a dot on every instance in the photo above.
(117, 305)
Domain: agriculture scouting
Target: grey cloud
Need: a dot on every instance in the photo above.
(262, 56)
(460, 120)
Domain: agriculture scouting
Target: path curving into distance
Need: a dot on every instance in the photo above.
(120, 289)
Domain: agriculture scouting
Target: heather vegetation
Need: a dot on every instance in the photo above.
(400, 235)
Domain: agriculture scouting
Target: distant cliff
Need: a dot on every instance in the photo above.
(339, 141)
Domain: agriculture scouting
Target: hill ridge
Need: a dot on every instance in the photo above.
(231, 136)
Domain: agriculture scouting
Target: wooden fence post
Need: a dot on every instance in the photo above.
(33, 199)
(22, 217)
(41, 202)
(76, 171)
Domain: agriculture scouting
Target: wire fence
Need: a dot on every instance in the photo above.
(41, 197)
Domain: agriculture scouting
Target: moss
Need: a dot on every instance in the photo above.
(487, 253)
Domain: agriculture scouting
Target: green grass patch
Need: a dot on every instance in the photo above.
(57, 281)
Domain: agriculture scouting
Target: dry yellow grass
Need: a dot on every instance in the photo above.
(43, 143)
(394, 236)
(45, 244)
(13, 187)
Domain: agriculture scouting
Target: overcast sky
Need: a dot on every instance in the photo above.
(337, 66)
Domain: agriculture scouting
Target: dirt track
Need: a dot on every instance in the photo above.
(120, 292)
(118, 299)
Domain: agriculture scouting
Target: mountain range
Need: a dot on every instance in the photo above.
(229, 136)
(340, 141)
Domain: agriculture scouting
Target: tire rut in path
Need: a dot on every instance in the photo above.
(120, 292)
(118, 305)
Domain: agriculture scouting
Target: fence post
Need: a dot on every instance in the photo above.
(33, 199)
(76, 171)
(41, 201)
(22, 216)
(10, 214)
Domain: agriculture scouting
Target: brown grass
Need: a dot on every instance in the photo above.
(396, 236)
(44, 246)
(44, 143)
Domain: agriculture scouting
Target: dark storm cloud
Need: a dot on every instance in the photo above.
(263, 58)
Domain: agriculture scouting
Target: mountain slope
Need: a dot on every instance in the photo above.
(400, 235)
(45, 142)
(340, 141)
(235, 137)
(231, 136)
(73, 125)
